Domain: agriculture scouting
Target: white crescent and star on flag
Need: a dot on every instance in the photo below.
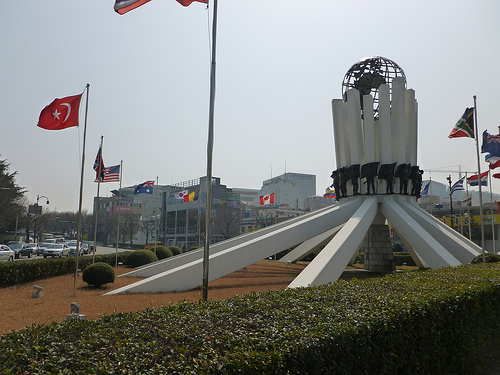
(56, 113)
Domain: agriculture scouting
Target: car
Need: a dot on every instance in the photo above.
(72, 248)
(30, 249)
(17, 247)
(85, 248)
(56, 250)
(91, 246)
(41, 247)
(6, 254)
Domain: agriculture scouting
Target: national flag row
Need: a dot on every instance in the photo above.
(465, 127)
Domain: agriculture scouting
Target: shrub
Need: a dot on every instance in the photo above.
(488, 258)
(175, 250)
(13, 273)
(98, 274)
(140, 257)
(163, 252)
(409, 323)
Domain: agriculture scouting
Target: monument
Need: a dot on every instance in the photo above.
(377, 180)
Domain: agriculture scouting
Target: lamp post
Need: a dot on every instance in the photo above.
(451, 202)
(37, 211)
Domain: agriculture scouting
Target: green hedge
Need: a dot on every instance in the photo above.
(98, 274)
(163, 252)
(141, 257)
(12, 273)
(424, 322)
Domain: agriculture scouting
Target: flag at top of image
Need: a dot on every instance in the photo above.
(145, 187)
(491, 144)
(61, 113)
(474, 181)
(111, 174)
(124, 6)
(99, 166)
(267, 199)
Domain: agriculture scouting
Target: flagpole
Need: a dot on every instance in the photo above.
(208, 207)
(479, 178)
(79, 220)
(469, 203)
(118, 216)
(155, 211)
(492, 217)
(96, 208)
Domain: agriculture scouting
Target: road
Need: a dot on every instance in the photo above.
(100, 250)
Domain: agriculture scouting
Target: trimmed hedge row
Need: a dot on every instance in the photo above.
(432, 322)
(12, 273)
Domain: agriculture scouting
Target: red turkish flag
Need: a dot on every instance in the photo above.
(188, 2)
(61, 113)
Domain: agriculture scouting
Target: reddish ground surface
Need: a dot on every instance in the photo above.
(19, 310)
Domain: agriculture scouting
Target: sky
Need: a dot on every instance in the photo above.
(279, 65)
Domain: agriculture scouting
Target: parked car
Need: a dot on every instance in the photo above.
(56, 250)
(72, 248)
(30, 249)
(85, 248)
(6, 254)
(91, 245)
(17, 247)
(41, 248)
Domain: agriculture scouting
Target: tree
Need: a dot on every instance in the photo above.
(227, 222)
(10, 197)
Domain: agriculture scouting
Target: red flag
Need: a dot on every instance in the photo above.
(61, 113)
(124, 6)
(99, 166)
(267, 199)
(188, 2)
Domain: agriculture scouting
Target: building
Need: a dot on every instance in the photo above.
(175, 214)
(289, 189)
(183, 212)
(136, 214)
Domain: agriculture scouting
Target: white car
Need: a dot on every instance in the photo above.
(6, 254)
(72, 248)
(56, 250)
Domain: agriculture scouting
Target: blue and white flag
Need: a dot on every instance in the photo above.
(459, 185)
(425, 190)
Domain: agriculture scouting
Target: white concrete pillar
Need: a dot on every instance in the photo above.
(398, 123)
(384, 111)
(342, 153)
(411, 127)
(354, 127)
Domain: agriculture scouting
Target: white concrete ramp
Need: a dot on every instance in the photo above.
(339, 213)
(185, 273)
(329, 264)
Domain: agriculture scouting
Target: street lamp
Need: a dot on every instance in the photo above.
(38, 210)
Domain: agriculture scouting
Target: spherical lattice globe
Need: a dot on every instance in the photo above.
(368, 74)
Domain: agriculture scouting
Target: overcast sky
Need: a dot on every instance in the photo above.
(279, 65)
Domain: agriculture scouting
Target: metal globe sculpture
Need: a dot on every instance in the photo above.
(368, 74)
